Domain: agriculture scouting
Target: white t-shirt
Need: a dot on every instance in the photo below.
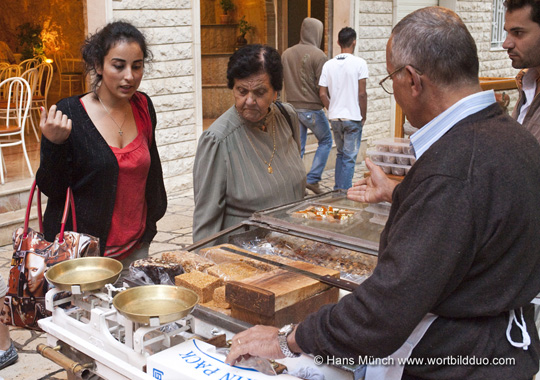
(341, 75)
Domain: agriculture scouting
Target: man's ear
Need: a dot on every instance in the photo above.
(414, 80)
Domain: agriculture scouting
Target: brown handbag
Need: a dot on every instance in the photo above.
(24, 304)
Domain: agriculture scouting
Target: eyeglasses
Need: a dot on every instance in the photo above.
(386, 83)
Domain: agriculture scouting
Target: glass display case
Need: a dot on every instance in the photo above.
(359, 230)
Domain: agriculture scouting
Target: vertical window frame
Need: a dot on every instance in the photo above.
(498, 34)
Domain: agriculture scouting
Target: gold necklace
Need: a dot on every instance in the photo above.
(120, 132)
(269, 164)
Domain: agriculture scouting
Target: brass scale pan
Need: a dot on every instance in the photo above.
(154, 304)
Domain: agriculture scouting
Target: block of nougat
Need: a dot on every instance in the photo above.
(219, 298)
(201, 283)
(219, 256)
(190, 261)
(233, 271)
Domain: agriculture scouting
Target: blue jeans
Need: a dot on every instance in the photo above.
(347, 134)
(318, 123)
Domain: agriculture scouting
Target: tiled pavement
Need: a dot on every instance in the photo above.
(174, 232)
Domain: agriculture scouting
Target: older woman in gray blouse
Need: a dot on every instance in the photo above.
(249, 158)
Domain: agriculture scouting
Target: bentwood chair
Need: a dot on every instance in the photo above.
(28, 64)
(69, 69)
(41, 58)
(9, 71)
(41, 92)
(6, 72)
(32, 77)
(19, 100)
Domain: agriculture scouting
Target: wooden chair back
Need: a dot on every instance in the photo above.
(45, 75)
(10, 71)
(31, 76)
(66, 63)
(28, 64)
(7, 72)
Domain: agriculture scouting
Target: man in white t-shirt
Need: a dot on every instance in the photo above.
(522, 23)
(342, 89)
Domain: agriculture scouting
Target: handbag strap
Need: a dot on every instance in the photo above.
(294, 130)
(70, 201)
(287, 116)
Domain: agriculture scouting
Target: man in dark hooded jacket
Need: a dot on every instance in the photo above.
(302, 66)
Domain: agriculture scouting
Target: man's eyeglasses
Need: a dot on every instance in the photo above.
(386, 83)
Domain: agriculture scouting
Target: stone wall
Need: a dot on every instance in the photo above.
(170, 81)
(374, 25)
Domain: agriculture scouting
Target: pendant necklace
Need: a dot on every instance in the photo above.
(269, 163)
(120, 132)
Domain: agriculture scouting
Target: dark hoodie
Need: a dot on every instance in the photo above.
(302, 66)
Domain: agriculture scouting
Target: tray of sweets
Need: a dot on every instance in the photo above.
(323, 213)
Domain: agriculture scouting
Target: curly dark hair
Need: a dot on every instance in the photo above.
(97, 45)
(253, 59)
(512, 5)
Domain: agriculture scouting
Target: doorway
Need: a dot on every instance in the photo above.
(297, 10)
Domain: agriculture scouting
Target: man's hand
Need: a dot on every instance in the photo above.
(373, 189)
(258, 341)
(55, 126)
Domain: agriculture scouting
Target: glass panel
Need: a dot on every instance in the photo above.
(362, 227)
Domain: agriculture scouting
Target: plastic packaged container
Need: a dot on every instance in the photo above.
(380, 212)
(394, 145)
(394, 155)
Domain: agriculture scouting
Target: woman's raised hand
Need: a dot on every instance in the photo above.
(55, 126)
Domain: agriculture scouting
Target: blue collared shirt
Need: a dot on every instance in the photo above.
(426, 136)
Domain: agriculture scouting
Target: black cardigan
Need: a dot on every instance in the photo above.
(462, 241)
(87, 164)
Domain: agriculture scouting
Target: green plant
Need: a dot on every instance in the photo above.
(244, 26)
(226, 5)
(30, 40)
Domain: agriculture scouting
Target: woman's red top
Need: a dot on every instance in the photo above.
(129, 215)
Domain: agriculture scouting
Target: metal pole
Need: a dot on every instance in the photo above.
(78, 370)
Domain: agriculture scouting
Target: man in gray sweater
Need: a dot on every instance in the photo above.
(302, 66)
(459, 257)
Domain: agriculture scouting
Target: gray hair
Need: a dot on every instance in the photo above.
(436, 42)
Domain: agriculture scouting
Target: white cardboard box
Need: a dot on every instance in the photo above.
(197, 360)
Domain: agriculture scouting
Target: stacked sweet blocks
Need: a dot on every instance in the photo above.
(251, 290)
